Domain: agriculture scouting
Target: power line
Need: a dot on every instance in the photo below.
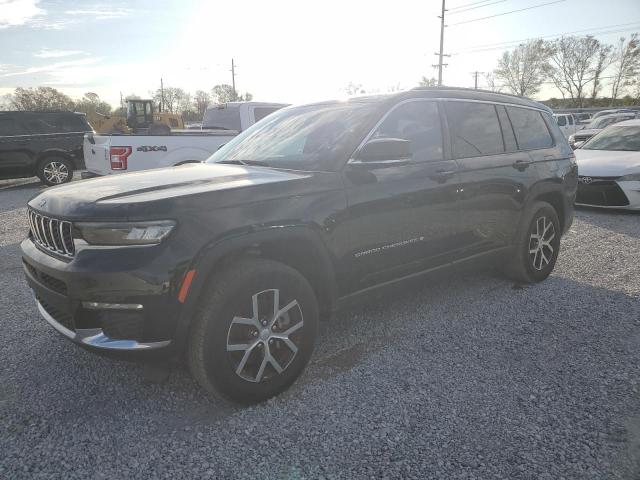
(468, 5)
(515, 42)
(479, 6)
(507, 13)
(585, 30)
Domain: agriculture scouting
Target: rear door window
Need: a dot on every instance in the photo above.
(475, 130)
(260, 112)
(419, 122)
(9, 127)
(570, 119)
(530, 128)
(561, 120)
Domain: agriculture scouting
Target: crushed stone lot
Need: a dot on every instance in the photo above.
(463, 376)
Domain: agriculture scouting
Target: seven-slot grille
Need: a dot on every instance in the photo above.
(51, 234)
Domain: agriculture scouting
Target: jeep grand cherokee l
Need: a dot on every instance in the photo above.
(43, 144)
(232, 262)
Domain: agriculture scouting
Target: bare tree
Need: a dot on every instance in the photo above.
(491, 84)
(224, 93)
(91, 104)
(603, 60)
(201, 100)
(626, 64)
(41, 98)
(354, 89)
(523, 69)
(428, 82)
(172, 98)
(574, 64)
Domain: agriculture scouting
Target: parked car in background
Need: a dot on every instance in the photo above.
(121, 153)
(567, 123)
(234, 261)
(609, 168)
(577, 139)
(583, 118)
(602, 113)
(43, 144)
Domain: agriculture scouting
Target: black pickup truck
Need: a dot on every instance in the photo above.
(43, 144)
(234, 261)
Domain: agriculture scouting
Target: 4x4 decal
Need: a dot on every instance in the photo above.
(152, 148)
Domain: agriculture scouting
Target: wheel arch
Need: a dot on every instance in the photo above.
(54, 153)
(552, 193)
(298, 247)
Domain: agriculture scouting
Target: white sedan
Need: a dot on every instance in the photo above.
(609, 168)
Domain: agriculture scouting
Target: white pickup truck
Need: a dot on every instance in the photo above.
(121, 153)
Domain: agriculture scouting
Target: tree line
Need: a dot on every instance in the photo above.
(580, 68)
(172, 99)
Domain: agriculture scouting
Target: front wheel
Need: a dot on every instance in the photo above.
(536, 250)
(254, 331)
(55, 171)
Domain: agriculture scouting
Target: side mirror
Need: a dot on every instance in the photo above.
(383, 152)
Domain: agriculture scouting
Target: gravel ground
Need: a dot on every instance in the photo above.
(465, 376)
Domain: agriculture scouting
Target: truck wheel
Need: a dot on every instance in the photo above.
(253, 332)
(55, 171)
(536, 250)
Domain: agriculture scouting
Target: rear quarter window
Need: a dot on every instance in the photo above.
(260, 112)
(530, 128)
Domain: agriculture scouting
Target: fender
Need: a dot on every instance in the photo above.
(206, 260)
(58, 152)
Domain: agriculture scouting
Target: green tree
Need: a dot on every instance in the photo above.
(224, 93)
(522, 70)
(40, 98)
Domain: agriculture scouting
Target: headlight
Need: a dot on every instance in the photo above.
(133, 233)
(633, 177)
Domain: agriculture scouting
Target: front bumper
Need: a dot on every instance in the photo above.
(609, 193)
(62, 289)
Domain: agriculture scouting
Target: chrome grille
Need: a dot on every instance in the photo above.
(51, 233)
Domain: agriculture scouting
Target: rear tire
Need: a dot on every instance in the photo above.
(249, 343)
(55, 171)
(537, 245)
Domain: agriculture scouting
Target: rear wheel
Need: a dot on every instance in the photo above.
(536, 250)
(254, 331)
(55, 171)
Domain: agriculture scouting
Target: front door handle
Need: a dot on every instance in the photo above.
(442, 176)
(521, 164)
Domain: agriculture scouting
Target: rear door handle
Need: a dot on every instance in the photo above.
(521, 164)
(442, 175)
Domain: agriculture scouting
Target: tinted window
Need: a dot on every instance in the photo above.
(419, 122)
(8, 127)
(570, 120)
(620, 138)
(474, 129)
(314, 137)
(507, 131)
(40, 124)
(562, 120)
(222, 118)
(260, 112)
(530, 129)
(70, 123)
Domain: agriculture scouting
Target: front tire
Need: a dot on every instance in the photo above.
(55, 171)
(537, 246)
(254, 331)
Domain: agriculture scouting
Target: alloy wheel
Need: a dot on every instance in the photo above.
(56, 172)
(263, 346)
(540, 247)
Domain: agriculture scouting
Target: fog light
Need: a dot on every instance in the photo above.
(112, 306)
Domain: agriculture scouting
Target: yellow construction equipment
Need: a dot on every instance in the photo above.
(140, 117)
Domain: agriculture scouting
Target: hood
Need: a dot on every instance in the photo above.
(117, 195)
(607, 163)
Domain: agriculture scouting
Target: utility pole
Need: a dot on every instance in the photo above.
(475, 77)
(161, 95)
(441, 53)
(233, 79)
(121, 102)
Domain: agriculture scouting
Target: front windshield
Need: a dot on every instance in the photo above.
(620, 138)
(313, 137)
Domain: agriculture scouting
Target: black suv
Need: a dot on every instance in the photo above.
(233, 261)
(43, 144)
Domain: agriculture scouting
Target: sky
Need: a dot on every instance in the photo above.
(286, 51)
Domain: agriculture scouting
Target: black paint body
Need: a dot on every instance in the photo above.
(349, 231)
